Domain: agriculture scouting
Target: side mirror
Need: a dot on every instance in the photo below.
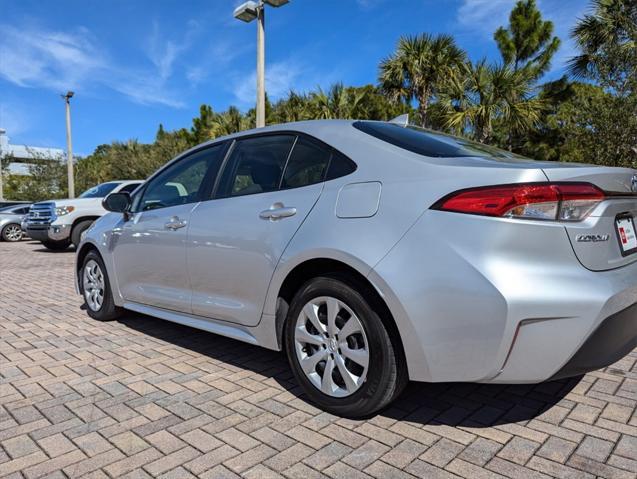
(117, 202)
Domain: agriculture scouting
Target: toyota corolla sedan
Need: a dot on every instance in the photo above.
(11, 218)
(374, 253)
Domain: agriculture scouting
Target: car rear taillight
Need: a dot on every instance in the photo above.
(538, 201)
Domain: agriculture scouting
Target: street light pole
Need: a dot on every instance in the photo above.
(247, 12)
(1, 190)
(261, 65)
(69, 146)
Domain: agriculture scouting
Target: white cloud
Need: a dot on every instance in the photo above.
(163, 53)
(217, 55)
(366, 4)
(59, 61)
(484, 15)
(13, 119)
(280, 78)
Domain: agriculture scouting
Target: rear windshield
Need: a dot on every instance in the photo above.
(99, 191)
(431, 143)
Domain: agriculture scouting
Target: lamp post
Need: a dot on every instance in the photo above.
(247, 12)
(69, 146)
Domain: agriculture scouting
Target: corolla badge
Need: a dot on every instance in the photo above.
(591, 238)
(633, 183)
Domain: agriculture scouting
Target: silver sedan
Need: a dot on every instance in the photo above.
(374, 253)
(11, 222)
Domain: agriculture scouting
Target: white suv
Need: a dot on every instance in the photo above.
(60, 223)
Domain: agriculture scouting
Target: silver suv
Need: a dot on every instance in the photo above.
(374, 253)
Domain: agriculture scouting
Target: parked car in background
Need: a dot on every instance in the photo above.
(60, 223)
(374, 253)
(11, 218)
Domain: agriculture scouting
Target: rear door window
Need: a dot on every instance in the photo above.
(255, 166)
(307, 164)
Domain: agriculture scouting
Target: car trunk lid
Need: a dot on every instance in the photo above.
(605, 239)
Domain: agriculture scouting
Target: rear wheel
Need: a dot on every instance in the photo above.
(12, 232)
(56, 245)
(78, 229)
(96, 289)
(339, 349)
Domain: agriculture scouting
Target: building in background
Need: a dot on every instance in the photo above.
(23, 155)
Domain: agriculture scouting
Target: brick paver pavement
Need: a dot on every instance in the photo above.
(143, 397)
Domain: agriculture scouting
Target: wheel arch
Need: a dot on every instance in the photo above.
(79, 260)
(77, 221)
(326, 266)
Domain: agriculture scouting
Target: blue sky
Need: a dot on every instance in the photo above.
(135, 64)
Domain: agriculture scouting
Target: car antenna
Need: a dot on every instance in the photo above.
(402, 120)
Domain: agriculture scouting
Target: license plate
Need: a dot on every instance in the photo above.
(626, 234)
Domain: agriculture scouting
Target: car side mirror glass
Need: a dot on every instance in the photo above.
(117, 202)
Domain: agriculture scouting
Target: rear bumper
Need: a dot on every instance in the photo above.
(49, 232)
(503, 301)
(614, 338)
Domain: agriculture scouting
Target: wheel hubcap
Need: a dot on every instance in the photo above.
(93, 283)
(331, 346)
(13, 233)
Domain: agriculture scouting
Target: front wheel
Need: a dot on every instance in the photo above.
(340, 351)
(96, 289)
(12, 232)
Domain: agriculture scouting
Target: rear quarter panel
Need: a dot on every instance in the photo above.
(410, 185)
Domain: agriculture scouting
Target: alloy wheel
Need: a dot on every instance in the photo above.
(93, 285)
(13, 233)
(331, 346)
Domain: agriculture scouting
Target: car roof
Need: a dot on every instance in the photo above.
(6, 209)
(316, 128)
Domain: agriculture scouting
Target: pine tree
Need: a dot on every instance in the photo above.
(528, 42)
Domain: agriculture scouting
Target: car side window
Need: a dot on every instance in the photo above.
(340, 165)
(307, 164)
(255, 165)
(183, 182)
(130, 187)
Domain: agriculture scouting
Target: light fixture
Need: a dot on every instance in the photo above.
(276, 3)
(246, 11)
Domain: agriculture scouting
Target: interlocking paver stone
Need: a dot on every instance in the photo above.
(141, 398)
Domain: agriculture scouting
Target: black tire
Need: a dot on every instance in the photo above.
(78, 229)
(108, 310)
(56, 245)
(9, 233)
(386, 372)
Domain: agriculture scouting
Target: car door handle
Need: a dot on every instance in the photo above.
(277, 213)
(175, 223)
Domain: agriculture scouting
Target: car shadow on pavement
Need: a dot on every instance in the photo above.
(470, 405)
(70, 249)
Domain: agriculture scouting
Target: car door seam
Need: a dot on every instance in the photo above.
(276, 267)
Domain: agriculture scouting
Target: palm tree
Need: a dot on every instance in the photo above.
(419, 67)
(228, 122)
(528, 41)
(293, 108)
(607, 38)
(487, 95)
(337, 102)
